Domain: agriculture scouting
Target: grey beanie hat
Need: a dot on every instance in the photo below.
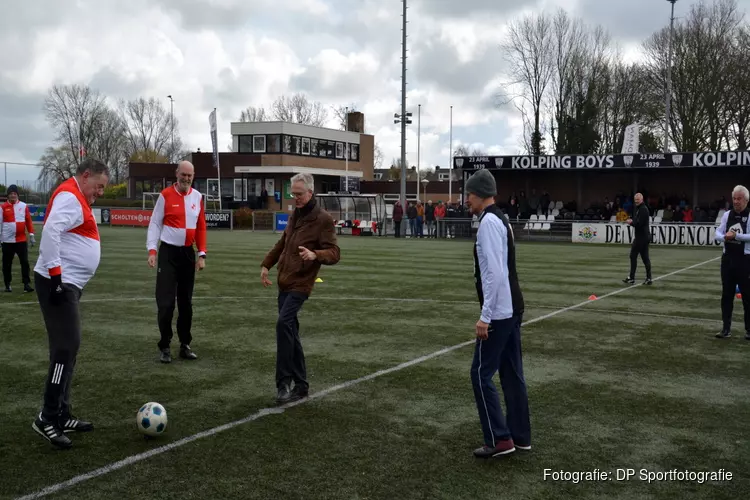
(482, 184)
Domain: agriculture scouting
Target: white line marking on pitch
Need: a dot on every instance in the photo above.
(316, 395)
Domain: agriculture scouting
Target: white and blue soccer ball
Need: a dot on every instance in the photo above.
(151, 419)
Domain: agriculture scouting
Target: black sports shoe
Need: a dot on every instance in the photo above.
(629, 281)
(72, 424)
(166, 356)
(747, 335)
(51, 432)
(8, 289)
(723, 334)
(187, 353)
(27, 289)
(284, 395)
(648, 281)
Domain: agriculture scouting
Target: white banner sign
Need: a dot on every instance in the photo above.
(661, 234)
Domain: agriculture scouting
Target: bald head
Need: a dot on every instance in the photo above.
(638, 198)
(185, 174)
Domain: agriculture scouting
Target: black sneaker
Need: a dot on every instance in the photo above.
(648, 281)
(747, 335)
(724, 334)
(8, 289)
(628, 281)
(284, 395)
(27, 289)
(51, 432)
(187, 353)
(72, 424)
(166, 356)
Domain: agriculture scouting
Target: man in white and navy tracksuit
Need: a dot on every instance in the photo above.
(734, 232)
(498, 346)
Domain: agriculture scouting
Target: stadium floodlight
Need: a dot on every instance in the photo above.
(668, 92)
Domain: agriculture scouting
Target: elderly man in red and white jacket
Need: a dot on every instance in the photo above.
(178, 224)
(16, 221)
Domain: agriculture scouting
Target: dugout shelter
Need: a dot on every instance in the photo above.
(358, 214)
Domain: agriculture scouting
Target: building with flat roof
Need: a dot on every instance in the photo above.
(265, 156)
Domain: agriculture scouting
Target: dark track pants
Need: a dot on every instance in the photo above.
(290, 358)
(636, 249)
(501, 352)
(175, 279)
(63, 323)
(735, 273)
(9, 251)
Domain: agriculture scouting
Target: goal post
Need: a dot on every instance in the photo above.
(149, 200)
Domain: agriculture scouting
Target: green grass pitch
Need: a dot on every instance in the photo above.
(634, 380)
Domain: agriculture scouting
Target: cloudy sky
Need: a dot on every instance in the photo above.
(231, 54)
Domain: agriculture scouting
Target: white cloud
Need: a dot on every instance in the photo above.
(231, 54)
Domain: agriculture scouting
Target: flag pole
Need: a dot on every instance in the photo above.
(216, 152)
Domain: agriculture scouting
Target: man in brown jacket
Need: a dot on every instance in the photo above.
(308, 242)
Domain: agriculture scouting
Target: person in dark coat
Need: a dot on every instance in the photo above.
(398, 216)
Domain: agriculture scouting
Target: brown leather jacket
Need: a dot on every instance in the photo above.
(312, 228)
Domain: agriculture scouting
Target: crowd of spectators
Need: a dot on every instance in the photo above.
(665, 208)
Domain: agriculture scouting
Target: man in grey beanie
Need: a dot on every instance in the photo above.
(498, 331)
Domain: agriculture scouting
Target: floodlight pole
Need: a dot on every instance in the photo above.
(668, 97)
(419, 133)
(403, 107)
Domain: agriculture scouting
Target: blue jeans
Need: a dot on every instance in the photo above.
(420, 226)
(501, 352)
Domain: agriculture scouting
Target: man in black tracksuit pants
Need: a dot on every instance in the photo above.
(641, 239)
(735, 261)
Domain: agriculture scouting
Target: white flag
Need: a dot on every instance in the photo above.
(631, 142)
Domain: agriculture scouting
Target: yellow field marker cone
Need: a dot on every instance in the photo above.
(318, 280)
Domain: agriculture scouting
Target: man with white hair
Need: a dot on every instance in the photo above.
(178, 223)
(641, 240)
(308, 242)
(734, 232)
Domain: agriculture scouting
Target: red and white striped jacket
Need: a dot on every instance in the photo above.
(178, 219)
(70, 240)
(16, 221)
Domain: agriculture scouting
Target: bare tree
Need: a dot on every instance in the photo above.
(529, 51)
(298, 109)
(738, 96)
(340, 113)
(58, 164)
(703, 74)
(461, 150)
(580, 85)
(110, 143)
(253, 114)
(377, 156)
(74, 112)
(626, 103)
(149, 126)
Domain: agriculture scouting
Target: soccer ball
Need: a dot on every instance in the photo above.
(151, 419)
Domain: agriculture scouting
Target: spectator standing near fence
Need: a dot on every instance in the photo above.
(734, 233)
(16, 221)
(420, 219)
(429, 215)
(440, 216)
(178, 222)
(411, 214)
(398, 215)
